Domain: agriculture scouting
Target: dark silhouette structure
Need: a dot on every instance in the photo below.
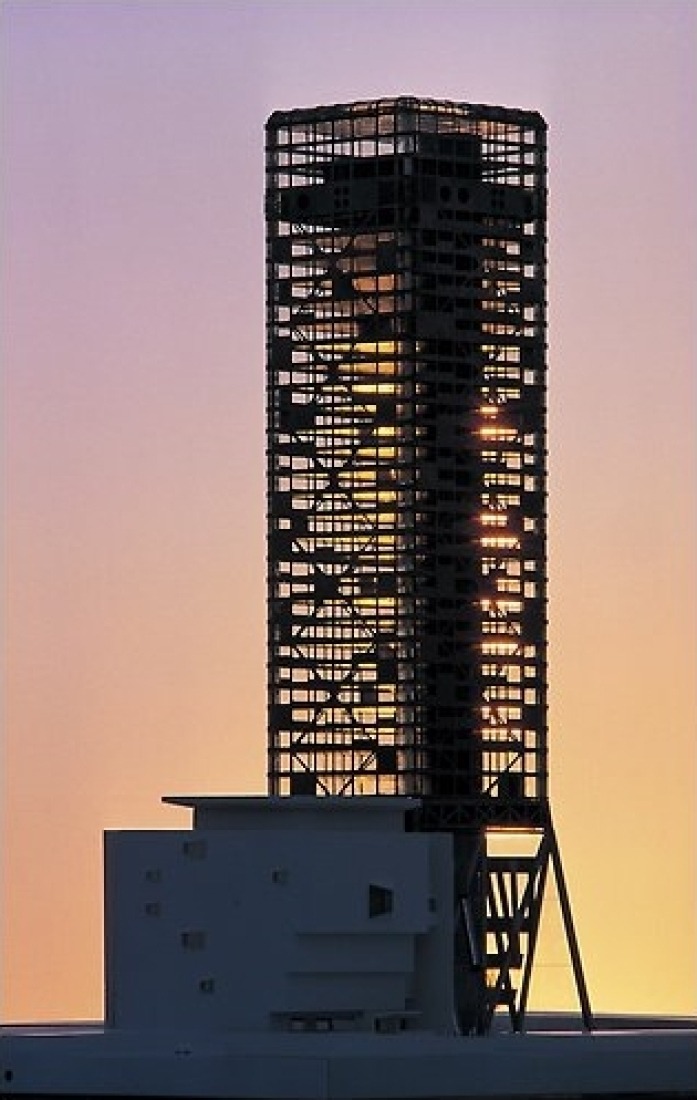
(407, 495)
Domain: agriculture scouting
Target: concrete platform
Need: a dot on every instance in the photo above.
(91, 1061)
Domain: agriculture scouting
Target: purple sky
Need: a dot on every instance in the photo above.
(133, 344)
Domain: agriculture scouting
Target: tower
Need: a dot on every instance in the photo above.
(406, 495)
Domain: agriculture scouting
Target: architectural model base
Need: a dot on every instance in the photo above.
(301, 949)
(91, 1061)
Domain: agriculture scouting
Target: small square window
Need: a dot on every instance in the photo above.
(195, 849)
(380, 900)
(194, 940)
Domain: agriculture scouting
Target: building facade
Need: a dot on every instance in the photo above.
(406, 390)
(279, 915)
(406, 298)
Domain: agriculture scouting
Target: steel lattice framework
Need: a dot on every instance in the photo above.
(407, 473)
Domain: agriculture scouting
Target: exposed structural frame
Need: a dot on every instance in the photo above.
(407, 578)
(407, 571)
(509, 890)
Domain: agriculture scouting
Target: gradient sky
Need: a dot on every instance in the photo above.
(134, 445)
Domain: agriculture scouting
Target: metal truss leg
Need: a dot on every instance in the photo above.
(500, 901)
(574, 951)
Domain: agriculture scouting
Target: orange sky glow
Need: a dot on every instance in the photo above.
(134, 441)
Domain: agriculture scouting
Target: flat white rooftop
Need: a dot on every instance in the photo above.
(263, 812)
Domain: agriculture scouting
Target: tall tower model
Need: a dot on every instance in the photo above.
(406, 495)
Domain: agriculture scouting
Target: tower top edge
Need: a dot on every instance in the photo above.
(395, 104)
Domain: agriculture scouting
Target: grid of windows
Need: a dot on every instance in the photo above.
(406, 457)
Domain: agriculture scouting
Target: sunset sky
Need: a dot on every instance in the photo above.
(134, 438)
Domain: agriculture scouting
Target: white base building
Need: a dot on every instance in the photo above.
(295, 914)
(302, 949)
